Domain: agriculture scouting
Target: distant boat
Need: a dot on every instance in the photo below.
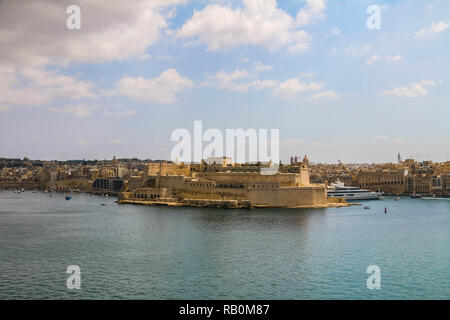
(397, 198)
(415, 196)
(366, 207)
(68, 197)
(385, 210)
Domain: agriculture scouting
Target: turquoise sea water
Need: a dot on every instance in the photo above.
(140, 252)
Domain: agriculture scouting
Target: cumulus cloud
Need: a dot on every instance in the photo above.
(435, 28)
(80, 111)
(355, 51)
(412, 90)
(36, 34)
(37, 86)
(311, 12)
(243, 80)
(290, 89)
(376, 57)
(162, 89)
(257, 22)
(240, 79)
(330, 94)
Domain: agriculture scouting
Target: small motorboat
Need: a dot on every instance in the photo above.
(366, 207)
(415, 196)
(397, 198)
(68, 197)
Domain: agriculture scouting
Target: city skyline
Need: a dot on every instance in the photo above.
(127, 79)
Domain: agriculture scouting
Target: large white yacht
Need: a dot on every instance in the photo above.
(339, 190)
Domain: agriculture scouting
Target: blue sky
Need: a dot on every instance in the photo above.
(132, 74)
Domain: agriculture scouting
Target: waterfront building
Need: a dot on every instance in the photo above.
(178, 183)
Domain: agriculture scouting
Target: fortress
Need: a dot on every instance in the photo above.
(222, 184)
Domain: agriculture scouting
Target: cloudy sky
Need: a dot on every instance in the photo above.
(137, 70)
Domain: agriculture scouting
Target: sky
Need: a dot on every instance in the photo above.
(135, 71)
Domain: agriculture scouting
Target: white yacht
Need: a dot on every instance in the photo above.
(339, 190)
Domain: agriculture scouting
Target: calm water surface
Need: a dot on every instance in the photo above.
(140, 252)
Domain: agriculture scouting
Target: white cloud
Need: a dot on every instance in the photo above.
(240, 79)
(263, 84)
(336, 31)
(375, 57)
(227, 81)
(330, 94)
(435, 28)
(412, 90)
(259, 67)
(37, 86)
(79, 111)
(257, 22)
(290, 89)
(162, 89)
(394, 58)
(357, 51)
(36, 34)
(311, 12)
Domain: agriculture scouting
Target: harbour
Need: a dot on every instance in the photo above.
(152, 252)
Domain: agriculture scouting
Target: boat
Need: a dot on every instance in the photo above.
(68, 197)
(366, 207)
(397, 198)
(415, 196)
(340, 190)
